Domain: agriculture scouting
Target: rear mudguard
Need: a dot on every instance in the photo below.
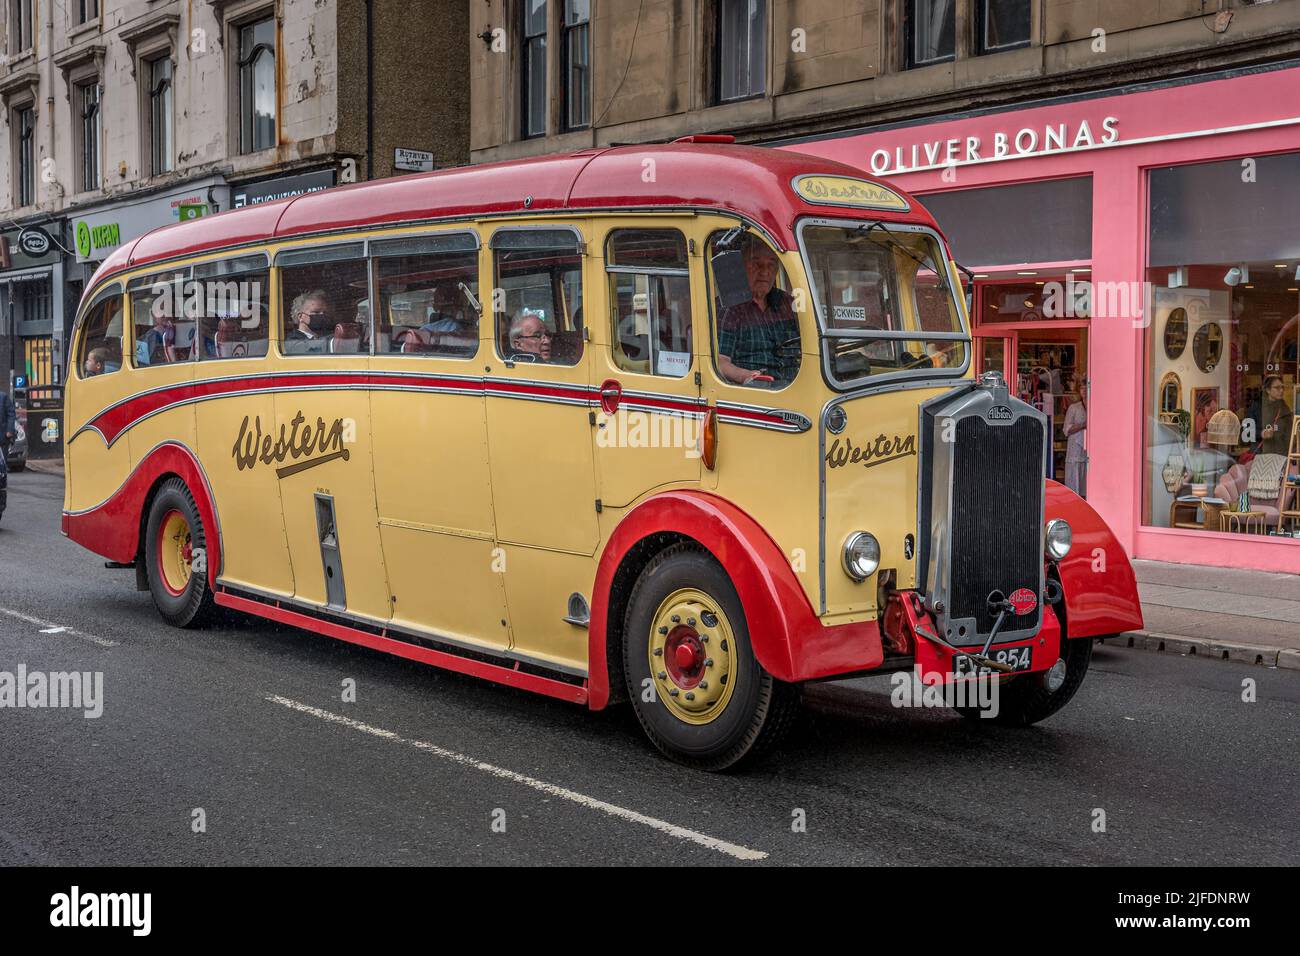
(1101, 595)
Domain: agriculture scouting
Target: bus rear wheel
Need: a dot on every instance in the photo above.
(174, 550)
(699, 693)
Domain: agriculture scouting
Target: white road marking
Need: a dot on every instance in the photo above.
(49, 627)
(622, 813)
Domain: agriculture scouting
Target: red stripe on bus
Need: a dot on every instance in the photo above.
(494, 672)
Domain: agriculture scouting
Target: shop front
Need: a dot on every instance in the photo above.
(31, 310)
(1137, 276)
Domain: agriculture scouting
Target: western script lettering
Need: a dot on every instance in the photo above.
(885, 448)
(293, 442)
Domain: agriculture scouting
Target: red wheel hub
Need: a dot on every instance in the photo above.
(685, 655)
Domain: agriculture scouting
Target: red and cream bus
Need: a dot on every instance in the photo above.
(684, 425)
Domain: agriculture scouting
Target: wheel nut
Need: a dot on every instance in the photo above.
(704, 685)
(690, 695)
(690, 621)
(663, 630)
(662, 676)
(673, 692)
(708, 662)
(677, 619)
(659, 652)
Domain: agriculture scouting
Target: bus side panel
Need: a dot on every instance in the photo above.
(538, 586)
(433, 492)
(171, 424)
(331, 431)
(247, 497)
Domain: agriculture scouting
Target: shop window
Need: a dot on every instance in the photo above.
(257, 91)
(539, 283)
(325, 300)
(1223, 335)
(99, 352)
(427, 288)
(1004, 225)
(576, 50)
(650, 299)
(741, 48)
(1001, 25)
(234, 312)
(929, 28)
(756, 332)
(532, 62)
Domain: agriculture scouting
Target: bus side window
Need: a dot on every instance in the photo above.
(650, 301)
(164, 329)
(235, 320)
(324, 300)
(99, 351)
(539, 277)
(428, 295)
(756, 333)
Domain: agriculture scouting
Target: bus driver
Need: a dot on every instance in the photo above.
(752, 333)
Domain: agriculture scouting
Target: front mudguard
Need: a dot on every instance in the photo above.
(1101, 595)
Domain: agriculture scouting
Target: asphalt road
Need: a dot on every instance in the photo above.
(246, 722)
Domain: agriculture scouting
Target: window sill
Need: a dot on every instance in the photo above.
(84, 29)
(21, 58)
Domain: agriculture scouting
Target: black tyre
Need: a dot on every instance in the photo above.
(175, 549)
(705, 702)
(1026, 700)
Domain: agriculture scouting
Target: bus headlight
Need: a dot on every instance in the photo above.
(861, 555)
(1057, 538)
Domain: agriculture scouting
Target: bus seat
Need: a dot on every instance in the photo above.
(347, 338)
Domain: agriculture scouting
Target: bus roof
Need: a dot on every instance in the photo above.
(751, 181)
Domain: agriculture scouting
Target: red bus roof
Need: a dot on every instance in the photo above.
(751, 181)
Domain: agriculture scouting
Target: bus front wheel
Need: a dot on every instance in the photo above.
(174, 550)
(700, 694)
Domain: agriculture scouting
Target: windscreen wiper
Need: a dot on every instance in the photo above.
(891, 243)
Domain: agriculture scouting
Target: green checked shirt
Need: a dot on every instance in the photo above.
(749, 336)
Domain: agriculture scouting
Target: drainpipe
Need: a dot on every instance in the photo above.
(370, 89)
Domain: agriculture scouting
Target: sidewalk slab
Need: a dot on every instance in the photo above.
(46, 466)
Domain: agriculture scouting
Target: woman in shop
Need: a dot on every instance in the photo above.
(1074, 427)
(1272, 417)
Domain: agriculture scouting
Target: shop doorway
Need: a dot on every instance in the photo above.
(1034, 330)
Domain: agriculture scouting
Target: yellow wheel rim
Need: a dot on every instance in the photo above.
(175, 552)
(693, 658)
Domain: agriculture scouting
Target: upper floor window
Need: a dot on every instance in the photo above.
(257, 87)
(24, 126)
(20, 25)
(87, 100)
(1001, 25)
(532, 63)
(87, 10)
(741, 48)
(576, 49)
(930, 28)
(159, 75)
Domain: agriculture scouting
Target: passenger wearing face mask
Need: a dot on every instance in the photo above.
(311, 312)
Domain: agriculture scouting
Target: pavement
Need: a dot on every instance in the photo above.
(233, 744)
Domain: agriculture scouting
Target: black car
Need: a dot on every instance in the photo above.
(16, 454)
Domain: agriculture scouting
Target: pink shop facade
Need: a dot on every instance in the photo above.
(1137, 254)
